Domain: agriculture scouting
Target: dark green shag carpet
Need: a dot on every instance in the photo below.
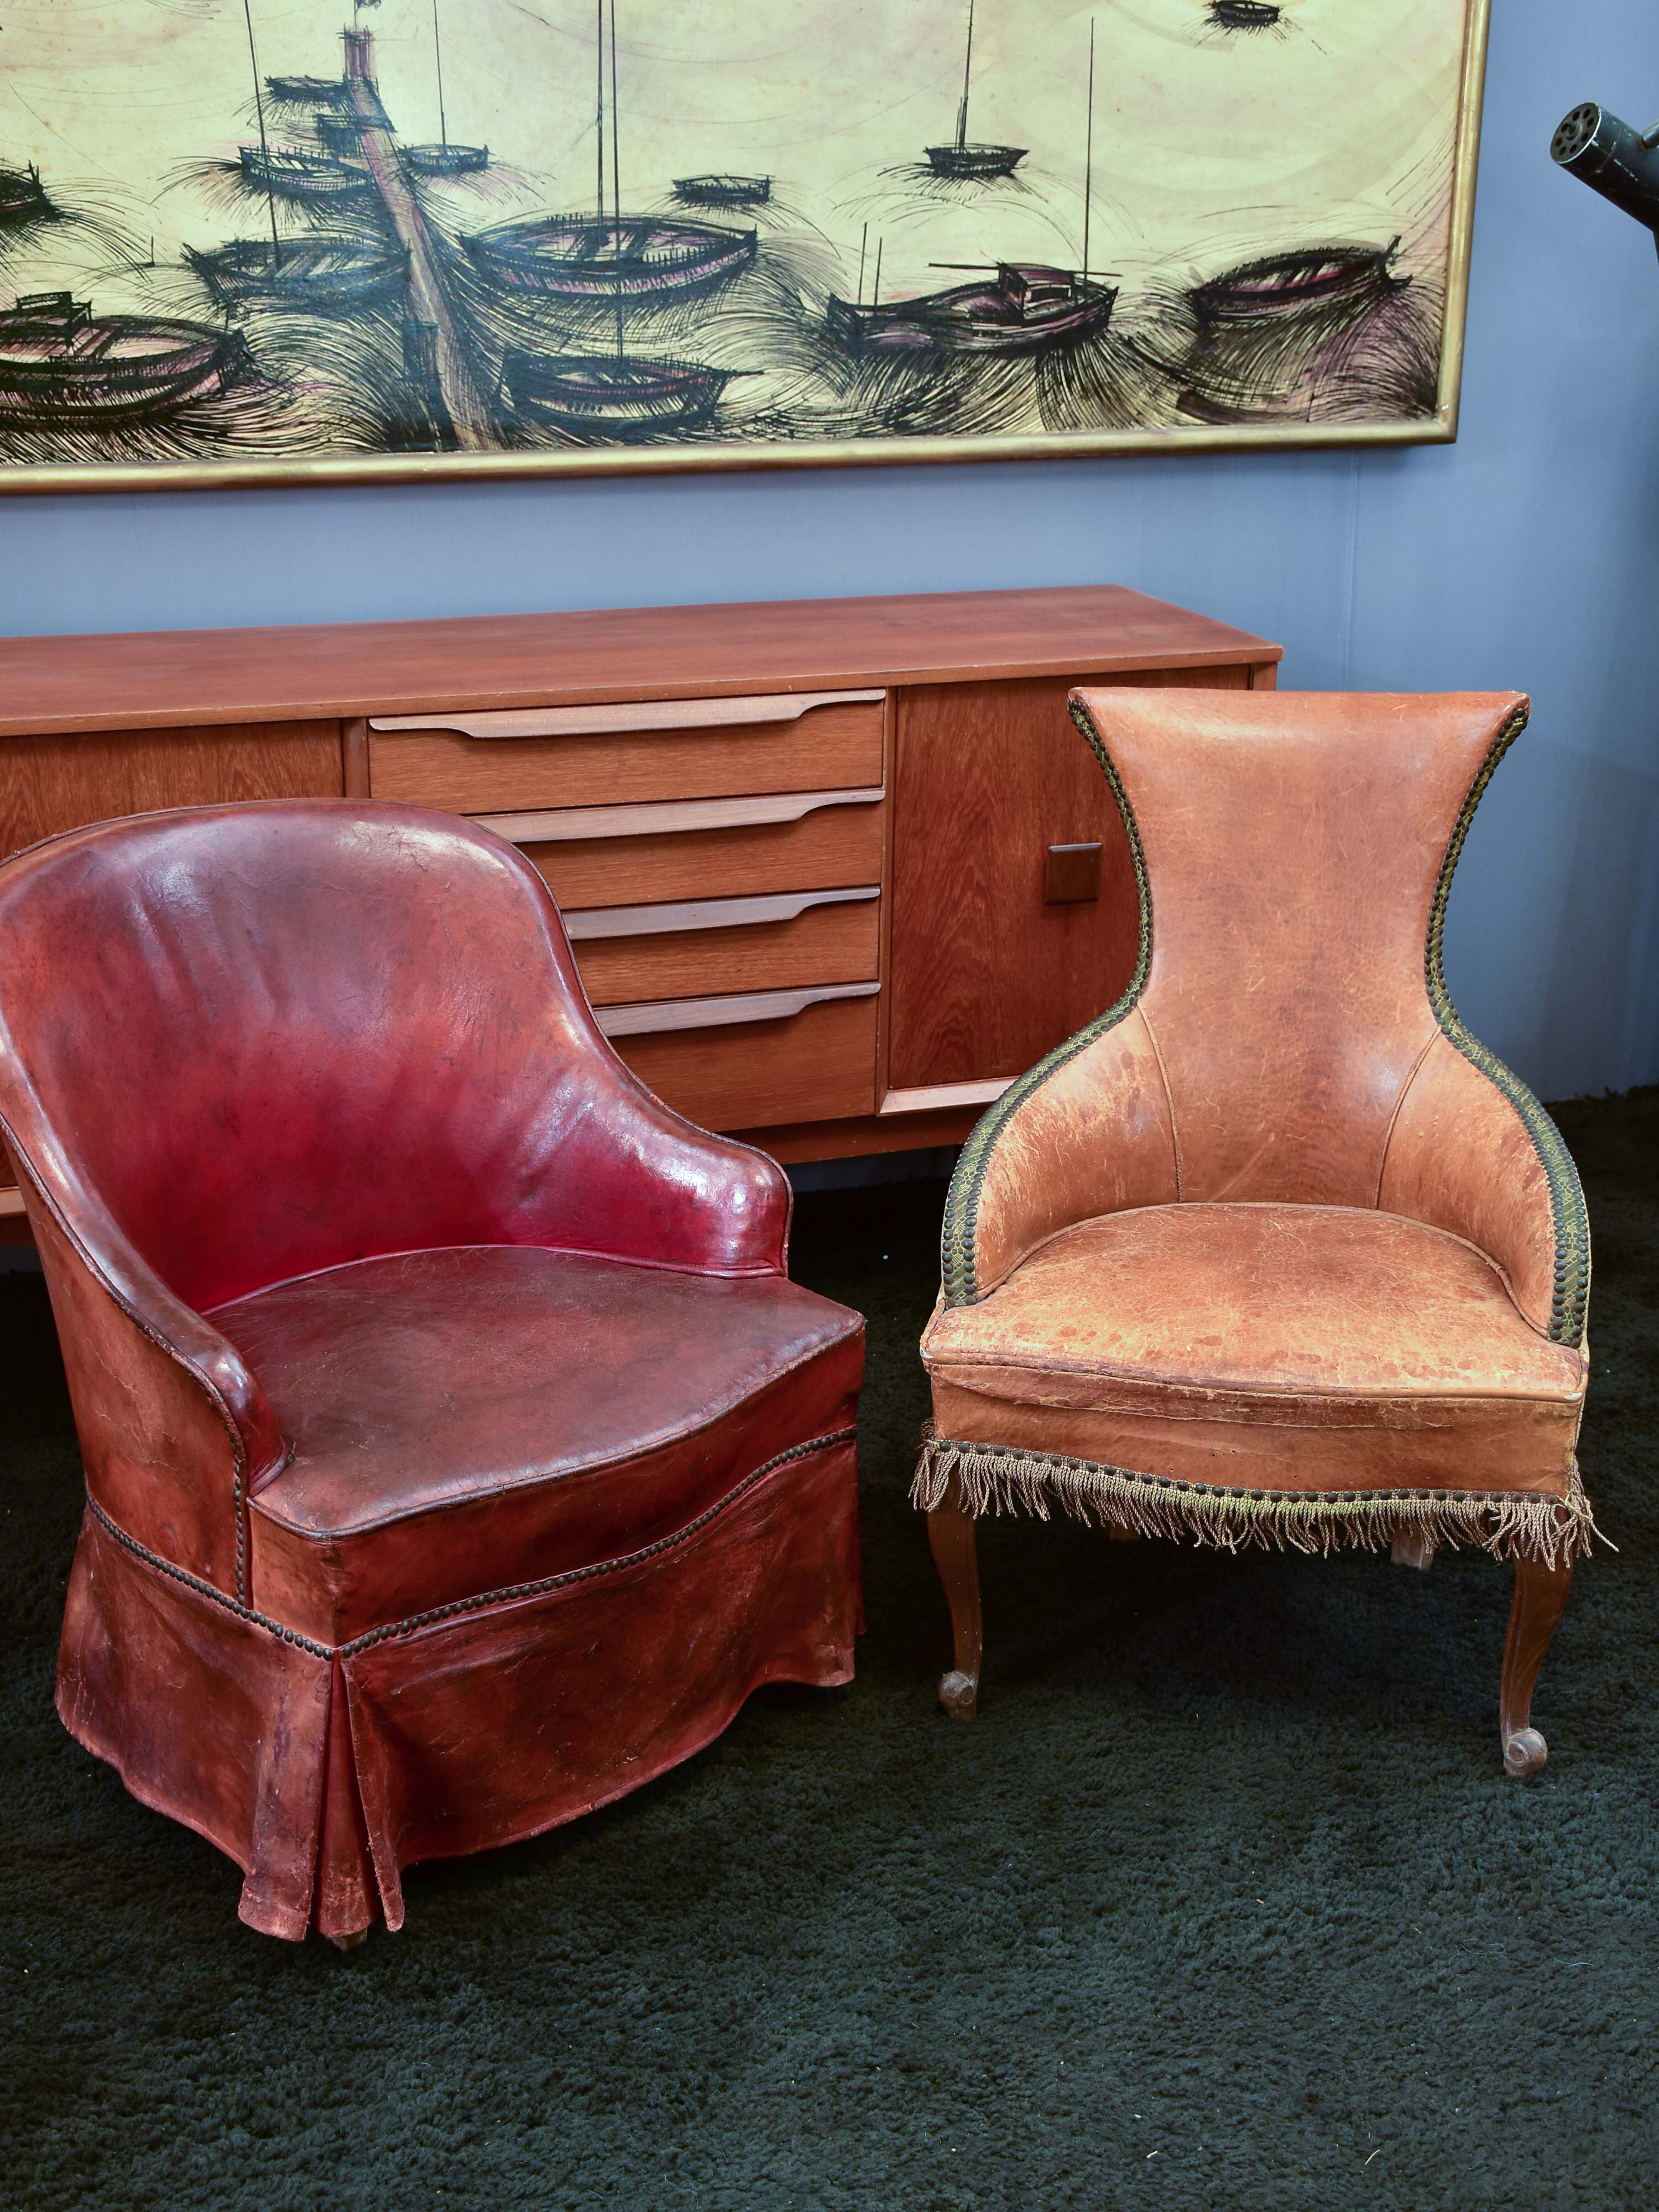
(1225, 1901)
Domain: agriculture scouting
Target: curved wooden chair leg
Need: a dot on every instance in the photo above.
(955, 1554)
(1539, 1594)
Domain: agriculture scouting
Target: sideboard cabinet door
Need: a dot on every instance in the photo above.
(990, 970)
(52, 784)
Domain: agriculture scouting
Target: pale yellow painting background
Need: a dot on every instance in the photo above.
(1208, 147)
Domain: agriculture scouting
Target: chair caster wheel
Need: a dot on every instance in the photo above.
(959, 1695)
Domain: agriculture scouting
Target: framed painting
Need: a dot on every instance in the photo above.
(279, 240)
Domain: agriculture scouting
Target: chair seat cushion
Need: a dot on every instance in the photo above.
(1263, 1347)
(475, 1417)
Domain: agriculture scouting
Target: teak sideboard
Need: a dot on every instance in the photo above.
(835, 870)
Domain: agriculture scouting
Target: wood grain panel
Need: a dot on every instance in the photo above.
(149, 679)
(818, 1066)
(825, 945)
(50, 784)
(832, 745)
(986, 977)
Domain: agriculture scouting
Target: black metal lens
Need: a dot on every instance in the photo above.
(1611, 158)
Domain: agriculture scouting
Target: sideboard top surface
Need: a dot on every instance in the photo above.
(162, 680)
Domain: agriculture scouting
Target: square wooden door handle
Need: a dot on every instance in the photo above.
(1071, 873)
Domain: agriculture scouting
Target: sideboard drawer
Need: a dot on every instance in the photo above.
(703, 848)
(703, 947)
(800, 1062)
(604, 756)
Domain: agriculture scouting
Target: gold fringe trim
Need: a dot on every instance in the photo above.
(997, 1479)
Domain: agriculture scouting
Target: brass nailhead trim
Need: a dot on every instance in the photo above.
(1571, 1272)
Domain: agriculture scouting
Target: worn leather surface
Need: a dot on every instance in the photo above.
(1320, 1347)
(370, 1035)
(449, 1411)
(1292, 844)
(1459, 1156)
(323, 1776)
(1222, 1240)
(384, 1286)
(1096, 1135)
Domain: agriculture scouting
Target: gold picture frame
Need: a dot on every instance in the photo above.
(420, 313)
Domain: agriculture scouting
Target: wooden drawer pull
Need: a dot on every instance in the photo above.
(1071, 874)
(563, 825)
(719, 1013)
(623, 720)
(586, 923)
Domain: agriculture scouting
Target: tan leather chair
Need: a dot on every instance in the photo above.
(1274, 1252)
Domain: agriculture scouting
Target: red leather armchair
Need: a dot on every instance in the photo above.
(458, 1454)
(1274, 1252)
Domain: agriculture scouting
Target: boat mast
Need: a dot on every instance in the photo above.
(1089, 150)
(616, 175)
(600, 50)
(265, 143)
(967, 73)
(438, 57)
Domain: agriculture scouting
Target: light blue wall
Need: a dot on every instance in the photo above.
(1525, 556)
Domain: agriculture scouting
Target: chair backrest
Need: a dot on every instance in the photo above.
(1295, 850)
(269, 1039)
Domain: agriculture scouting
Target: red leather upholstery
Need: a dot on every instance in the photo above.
(458, 1454)
(415, 1393)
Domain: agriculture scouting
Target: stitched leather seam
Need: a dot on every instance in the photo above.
(1169, 1099)
(958, 1265)
(506, 1595)
(1399, 1108)
(1570, 1291)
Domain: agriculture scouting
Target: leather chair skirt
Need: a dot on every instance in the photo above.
(323, 1770)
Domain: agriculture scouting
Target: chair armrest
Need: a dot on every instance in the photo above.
(1087, 1132)
(1473, 1152)
(629, 1179)
(175, 1433)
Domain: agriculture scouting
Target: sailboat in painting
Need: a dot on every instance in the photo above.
(627, 258)
(611, 258)
(962, 158)
(723, 190)
(617, 395)
(63, 366)
(1283, 284)
(22, 198)
(328, 273)
(1013, 307)
(443, 160)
